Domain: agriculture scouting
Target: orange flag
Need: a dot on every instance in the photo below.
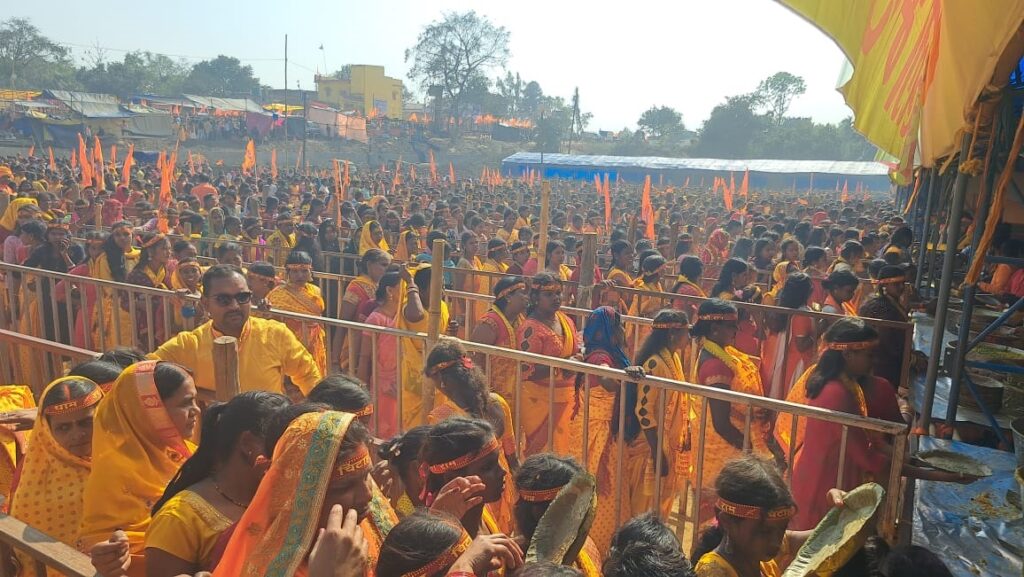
(166, 175)
(113, 157)
(451, 172)
(345, 180)
(727, 196)
(745, 183)
(53, 162)
(597, 184)
(607, 203)
(249, 161)
(338, 183)
(433, 168)
(273, 163)
(412, 172)
(31, 151)
(191, 163)
(483, 174)
(397, 180)
(845, 197)
(98, 152)
(84, 161)
(74, 159)
(646, 208)
(126, 171)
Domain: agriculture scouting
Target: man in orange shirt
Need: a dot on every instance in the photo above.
(204, 188)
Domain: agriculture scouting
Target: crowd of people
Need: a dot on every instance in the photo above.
(332, 461)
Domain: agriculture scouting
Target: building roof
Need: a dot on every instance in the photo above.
(845, 167)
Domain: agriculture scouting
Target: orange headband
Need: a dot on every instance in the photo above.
(464, 361)
(750, 512)
(263, 276)
(891, 280)
(364, 412)
(298, 266)
(523, 248)
(189, 264)
(541, 495)
(153, 241)
(854, 346)
(510, 290)
(445, 560)
(548, 287)
(465, 460)
(357, 462)
(671, 325)
(54, 224)
(75, 404)
(718, 317)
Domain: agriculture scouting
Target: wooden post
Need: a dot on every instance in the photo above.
(186, 228)
(586, 289)
(225, 367)
(97, 216)
(545, 217)
(632, 230)
(4, 201)
(434, 320)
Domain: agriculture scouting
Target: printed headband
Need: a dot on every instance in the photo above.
(510, 290)
(357, 462)
(751, 512)
(540, 495)
(445, 560)
(718, 317)
(75, 404)
(364, 412)
(465, 460)
(672, 325)
(466, 362)
(891, 280)
(298, 266)
(853, 346)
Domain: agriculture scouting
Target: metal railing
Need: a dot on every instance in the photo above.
(686, 507)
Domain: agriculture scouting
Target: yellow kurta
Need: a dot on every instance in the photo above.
(412, 365)
(714, 565)
(307, 301)
(278, 247)
(267, 352)
(667, 365)
(188, 527)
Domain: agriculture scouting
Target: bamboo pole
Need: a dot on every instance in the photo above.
(545, 216)
(225, 367)
(97, 216)
(587, 271)
(434, 319)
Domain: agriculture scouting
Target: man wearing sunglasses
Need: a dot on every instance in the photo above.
(267, 349)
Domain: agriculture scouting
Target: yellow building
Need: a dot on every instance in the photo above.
(365, 89)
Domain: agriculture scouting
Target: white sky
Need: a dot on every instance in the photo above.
(687, 54)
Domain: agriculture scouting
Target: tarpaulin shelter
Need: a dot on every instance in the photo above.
(225, 104)
(330, 122)
(90, 104)
(767, 173)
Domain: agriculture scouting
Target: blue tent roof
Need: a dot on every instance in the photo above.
(658, 163)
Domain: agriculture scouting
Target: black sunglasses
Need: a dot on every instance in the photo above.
(241, 298)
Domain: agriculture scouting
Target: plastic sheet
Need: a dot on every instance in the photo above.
(974, 528)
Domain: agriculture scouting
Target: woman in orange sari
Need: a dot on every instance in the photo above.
(140, 434)
(49, 492)
(413, 316)
(722, 366)
(462, 392)
(547, 331)
(621, 275)
(320, 468)
(788, 347)
(299, 295)
(542, 481)
(359, 294)
(497, 327)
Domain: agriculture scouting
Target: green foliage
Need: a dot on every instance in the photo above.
(661, 122)
(223, 76)
(30, 60)
(777, 92)
(138, 73)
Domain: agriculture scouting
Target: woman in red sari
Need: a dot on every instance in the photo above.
(788, 347)
(547, 331)
(358, 294)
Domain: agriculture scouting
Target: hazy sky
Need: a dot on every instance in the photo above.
(686, 54)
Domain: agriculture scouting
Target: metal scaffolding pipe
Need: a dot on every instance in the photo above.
(956, 210)
(926, 230)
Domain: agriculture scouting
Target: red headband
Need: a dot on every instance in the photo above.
(750, 512)
(465, 460)
(541, 495)
(854, 346)
(357, 462)
(718, 317)
(75, 404)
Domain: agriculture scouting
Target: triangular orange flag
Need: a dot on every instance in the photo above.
(31, 151)
(597, 184)
(126, 171)
(345, 180)
(607, 203)
(745, 183)
(646, 209)
(98, 153)
(53, 162)
(273, 163)
(433, 168)
(84, 161)
(451, 172)
(845, 197)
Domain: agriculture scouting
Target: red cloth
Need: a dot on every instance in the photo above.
(815, 470)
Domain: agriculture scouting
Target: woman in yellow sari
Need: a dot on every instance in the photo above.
(550, 483)
(497, 327)
(114, 264)
(320, 463)
(413, 316)
(371, 235)
(652, 269)
(408, 245)
(14, 213)
(547, 331)
(668, 418)
(150, 272)
(12, 398)
(299, 295)
(462, 392)
(140, 434)
(721, 365)
(49, 495)
(620, 274)
(213, 487)
(359, 293)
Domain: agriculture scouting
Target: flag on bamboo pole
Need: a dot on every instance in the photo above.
(338, 182)
(345, 180)
(84, 161)
(607, 203)
(397, 180)
(412, 172)
(74, 159)
(98, 154)
(451, 172)
(273, 163)
(597, 184)
(126, 171)
(31, 151)
(646, 208)
(745, 184)
(687, 183)
(845, 197)
(53, 162)
(433, 168)
(249, 161)
(191, 164)
(113, 157)
(727, 196)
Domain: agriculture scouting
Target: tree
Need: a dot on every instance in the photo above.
(453, 52)
(223, 76)
(30, 60)
(138, 73)
(511, 89)
(661, 122)
(730, 129)
(533, 97)
(777, 92)
(343, 73)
